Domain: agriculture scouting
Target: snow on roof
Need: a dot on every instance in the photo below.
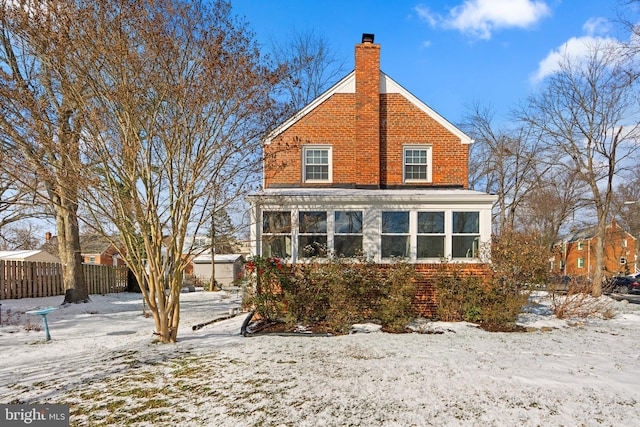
(24, 254)
(219, 258)
(396, 195)
(17, 254)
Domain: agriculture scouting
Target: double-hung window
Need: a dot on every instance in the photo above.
(276, 234)
(431, 235)
(466, 234)
(312, 238)
(416, 163)
(347, 238)
(316, 163)
(395, 235)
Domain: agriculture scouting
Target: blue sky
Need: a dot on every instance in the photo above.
(448, 53)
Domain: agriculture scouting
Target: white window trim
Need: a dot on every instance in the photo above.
(371, 232)
(429, 149)
(304, 163)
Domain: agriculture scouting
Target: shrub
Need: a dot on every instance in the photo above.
(334, 291)
(468, 298)
(578, 302)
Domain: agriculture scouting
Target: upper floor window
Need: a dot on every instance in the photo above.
(580, 245)
(417, 163)
(316, 163)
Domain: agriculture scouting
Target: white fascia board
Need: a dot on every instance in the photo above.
(346, 85)
(284, 197)
(388, 85)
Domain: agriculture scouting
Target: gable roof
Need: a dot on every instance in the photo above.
(28, 255)
(387, 85)
(89, 245)
(590, 232)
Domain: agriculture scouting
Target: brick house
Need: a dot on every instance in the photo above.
(575, 254)
(367, 168)
(94, 249)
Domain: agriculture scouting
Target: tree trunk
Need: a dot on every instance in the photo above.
(75, 287)
(598, 276)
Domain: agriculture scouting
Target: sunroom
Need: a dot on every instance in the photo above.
(416, 225)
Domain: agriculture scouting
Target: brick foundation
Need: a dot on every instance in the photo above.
(426, 297)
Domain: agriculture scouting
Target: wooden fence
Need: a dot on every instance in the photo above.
(26, 279)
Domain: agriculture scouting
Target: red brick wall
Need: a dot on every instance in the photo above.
(367, 112)
(426, 296)
(334, 123)
(366, 131)
(613, 251)
(403, 123)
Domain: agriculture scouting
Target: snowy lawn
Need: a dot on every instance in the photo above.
(102, 362)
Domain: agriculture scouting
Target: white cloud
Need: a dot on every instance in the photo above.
(480, 18)
(576, 49)
(426, 15)
(596, 26)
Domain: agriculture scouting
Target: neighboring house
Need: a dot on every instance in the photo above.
(367, 168)
(29, 255)
(94, 249)
(228, 268)
(575, 254)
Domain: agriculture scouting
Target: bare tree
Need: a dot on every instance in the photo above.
(552, 205)
(180, 99)
(587, 112)
(40, 125)
(505, 162)
(312, 66)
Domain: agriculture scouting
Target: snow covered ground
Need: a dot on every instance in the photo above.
(102, 362)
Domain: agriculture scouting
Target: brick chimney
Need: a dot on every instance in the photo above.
(367, 150)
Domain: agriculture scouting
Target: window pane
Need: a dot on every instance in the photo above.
(430, 246)
(415, 172)
(316, 164)
(415, 164)
(276, 246)
(430, 222)
(317, 173)
(347, 246)
(348, 222)
(415, 157)
(276, 222)
(312, 245)
(395, 222)
(465, 246)
(395, 246)
(466, 222)
(313, 222)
